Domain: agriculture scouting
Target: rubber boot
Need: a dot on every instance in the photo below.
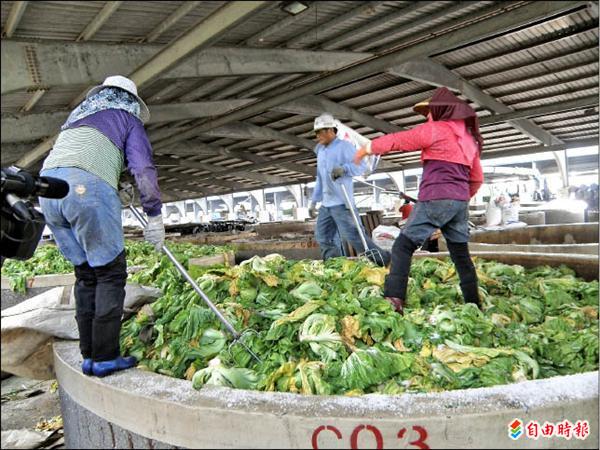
(86, 366)
(397, 304)
(104, 368)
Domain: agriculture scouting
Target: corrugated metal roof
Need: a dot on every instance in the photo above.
(544, 63)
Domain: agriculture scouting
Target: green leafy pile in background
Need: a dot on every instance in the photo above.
(47, 260)
(324, 327)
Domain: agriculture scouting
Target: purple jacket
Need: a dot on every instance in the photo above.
(127, 133)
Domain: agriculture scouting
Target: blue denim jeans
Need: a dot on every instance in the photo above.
(86, 223)
(450, 216)
(338, 219)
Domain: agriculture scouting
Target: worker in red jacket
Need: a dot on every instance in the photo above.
(450, 146)
(406, 209)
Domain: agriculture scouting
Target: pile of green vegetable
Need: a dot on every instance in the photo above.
(324, 328)
(47, 260)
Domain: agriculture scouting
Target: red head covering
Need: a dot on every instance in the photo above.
(444, 105)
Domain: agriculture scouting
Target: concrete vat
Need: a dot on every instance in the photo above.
(574, 239)
(575, 233)
(147, 410)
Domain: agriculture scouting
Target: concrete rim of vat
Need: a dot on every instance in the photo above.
(170, 410)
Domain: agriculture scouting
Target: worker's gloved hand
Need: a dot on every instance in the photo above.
(312, 210)
(360, 154)
(337, 172)
(154, 233)
(126, 194)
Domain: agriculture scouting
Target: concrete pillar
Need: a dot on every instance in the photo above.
(277, 202)
(563, 167)
(259, 198)
(296, 193)
(228, 200)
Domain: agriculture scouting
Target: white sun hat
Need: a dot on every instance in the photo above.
(126, 84)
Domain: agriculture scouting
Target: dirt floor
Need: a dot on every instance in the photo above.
(27, 404)
(30, 414)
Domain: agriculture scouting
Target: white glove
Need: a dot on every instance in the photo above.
(154, 232)
(312, 210)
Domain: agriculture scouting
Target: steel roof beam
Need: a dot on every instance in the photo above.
(191, 148)
(191, 178)
(16, 128)
(14, 17)
(313, 105)
(246, 130)
(202, 35)
(175, 16)
(97, 22)
(373, 39)
(63, 64)
(312, 35)
(214, 169)
(430, 72)
(282, 24)
(336, 42)
(470, 33)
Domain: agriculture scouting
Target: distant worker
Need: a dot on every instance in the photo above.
(493, 212)
(334, 166)
(101, 136)
(510, 213)
(450, 146)
(405, 210)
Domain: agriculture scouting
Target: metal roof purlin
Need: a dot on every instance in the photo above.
(487, 27)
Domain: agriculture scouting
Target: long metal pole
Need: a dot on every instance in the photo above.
(199, 291)
(356, 222)
(387, 191)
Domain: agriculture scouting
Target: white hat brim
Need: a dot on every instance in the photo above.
(144, 111)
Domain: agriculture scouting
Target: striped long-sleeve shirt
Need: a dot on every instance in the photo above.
(102, 144)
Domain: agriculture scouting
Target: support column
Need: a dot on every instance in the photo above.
(376, 196)
(563, 166)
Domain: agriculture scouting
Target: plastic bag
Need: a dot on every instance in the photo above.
(384, 236)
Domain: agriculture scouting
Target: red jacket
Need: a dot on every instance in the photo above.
(437, 141)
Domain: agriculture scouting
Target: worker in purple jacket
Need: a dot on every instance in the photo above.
(104, 134)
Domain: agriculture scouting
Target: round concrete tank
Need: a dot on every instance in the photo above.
(560, 216)
(574, 249)
(575, 233)
(138, 409)
(533, 217)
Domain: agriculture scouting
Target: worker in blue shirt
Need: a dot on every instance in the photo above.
(334, 167)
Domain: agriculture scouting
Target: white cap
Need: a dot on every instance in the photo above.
(126, 84)
(325, 120)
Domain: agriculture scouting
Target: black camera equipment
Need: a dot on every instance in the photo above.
(22, 224)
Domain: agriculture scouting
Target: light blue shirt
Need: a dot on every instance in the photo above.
(339, 153)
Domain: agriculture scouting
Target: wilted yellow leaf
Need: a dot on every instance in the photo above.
(350, 330)
(374, 275)
(233, 287)
(458, 361)
(270, 280)
(189, 373)
(399, 345)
